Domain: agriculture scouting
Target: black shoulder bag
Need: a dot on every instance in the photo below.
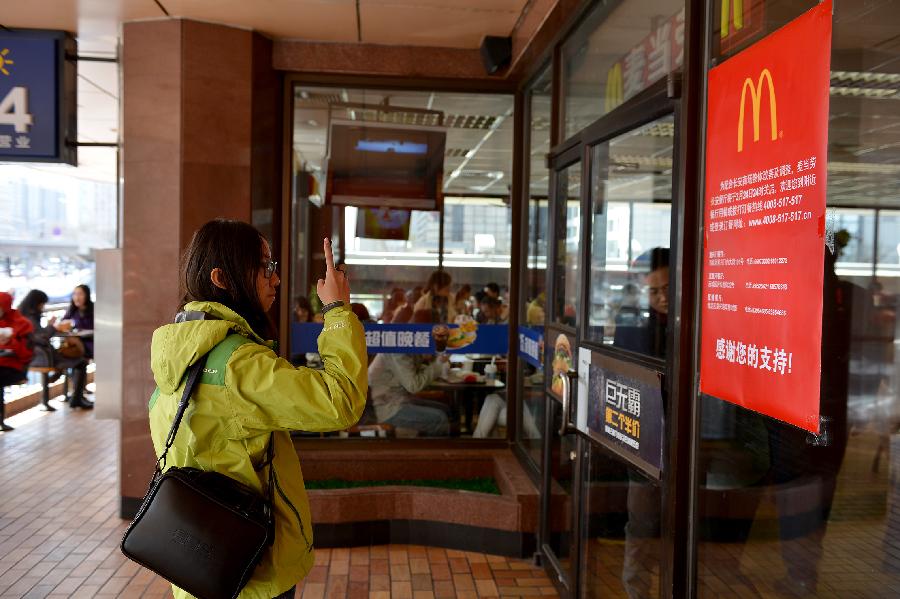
(202, 531)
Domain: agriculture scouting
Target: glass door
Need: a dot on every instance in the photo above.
(606, 341)
(559, 484)
(622, 362)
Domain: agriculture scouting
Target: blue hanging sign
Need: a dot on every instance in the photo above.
(491, 339)
(37, 97)
(531, 345)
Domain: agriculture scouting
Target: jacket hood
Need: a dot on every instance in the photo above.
(175, 347)
(5, 301)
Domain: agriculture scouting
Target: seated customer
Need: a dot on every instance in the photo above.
(15, 352)
(489, 311)
(493, 413)
(45, 355)
(393, 381)
(80, 314)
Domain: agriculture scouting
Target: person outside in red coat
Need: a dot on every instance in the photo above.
(15, 351)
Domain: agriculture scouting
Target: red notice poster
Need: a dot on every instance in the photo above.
(767, 138)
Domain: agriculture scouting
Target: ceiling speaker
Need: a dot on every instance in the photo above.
(496, 53)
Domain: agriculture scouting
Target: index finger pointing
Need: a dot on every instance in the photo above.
(329, 255)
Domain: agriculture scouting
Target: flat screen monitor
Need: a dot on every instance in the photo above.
(385, 165)
(382, 223)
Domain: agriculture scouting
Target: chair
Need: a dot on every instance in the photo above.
(45, 372)
(3, 426)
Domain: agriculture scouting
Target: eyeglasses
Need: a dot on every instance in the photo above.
(271, 268)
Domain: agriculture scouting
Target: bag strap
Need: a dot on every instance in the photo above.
(193, 375)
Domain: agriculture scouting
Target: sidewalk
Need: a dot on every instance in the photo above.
(60, 531)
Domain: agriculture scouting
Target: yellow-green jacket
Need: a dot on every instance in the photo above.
(246, 392)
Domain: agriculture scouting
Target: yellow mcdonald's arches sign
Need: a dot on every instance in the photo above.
(615, 93)
(738, 12)
(755, 101)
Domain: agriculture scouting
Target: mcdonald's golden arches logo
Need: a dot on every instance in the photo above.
(738, 12)
(615, 93)
(756, 102)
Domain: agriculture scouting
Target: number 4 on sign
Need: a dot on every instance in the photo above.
(14, 110)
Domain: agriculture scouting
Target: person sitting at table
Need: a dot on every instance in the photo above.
(46, 355)
(393, 302)
(435, 300)
(15, 351)
(394, 379)
(81, 314)
(492, 290)
(493, 413)
(461, 300)
(303, 311)
(489, 311)
(534, 313)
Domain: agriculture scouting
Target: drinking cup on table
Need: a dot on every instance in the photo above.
(441, 334)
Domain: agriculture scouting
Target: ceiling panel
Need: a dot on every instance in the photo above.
(318, 20)
(451, 24)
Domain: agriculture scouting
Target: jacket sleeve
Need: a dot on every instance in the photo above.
(19, 344)
(269, 393)
(411, 377)
(41, 336)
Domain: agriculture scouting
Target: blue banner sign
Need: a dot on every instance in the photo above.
(531, 345)
(37, 97)
(491, 339)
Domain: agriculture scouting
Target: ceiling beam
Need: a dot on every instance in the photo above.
(415, 62)
(540, 26)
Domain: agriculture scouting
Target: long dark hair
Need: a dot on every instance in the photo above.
(30, 303)
(438, 280)
(236, 248)
(88, 303)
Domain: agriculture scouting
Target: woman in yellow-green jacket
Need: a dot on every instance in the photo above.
(246, 391)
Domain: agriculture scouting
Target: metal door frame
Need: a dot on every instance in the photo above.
(657, 101)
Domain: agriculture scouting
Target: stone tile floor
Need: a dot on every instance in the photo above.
(60, 531)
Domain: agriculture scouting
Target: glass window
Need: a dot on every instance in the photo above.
(534, 299)
(621, 528)
(782, 513)
(617, 53)
(52, 218)
(403, 272)
(568, 240)
(631, 201)
(889, 246)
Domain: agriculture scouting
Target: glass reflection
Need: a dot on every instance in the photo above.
(621, 520)
(568, 240)
(798, 515)
(631, 204)
(619, 50)
(533, 307)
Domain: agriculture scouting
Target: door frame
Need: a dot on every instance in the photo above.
(657, 101)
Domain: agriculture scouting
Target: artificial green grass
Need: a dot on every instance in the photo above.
(477, 485)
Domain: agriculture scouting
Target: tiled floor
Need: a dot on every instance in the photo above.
(59, 531)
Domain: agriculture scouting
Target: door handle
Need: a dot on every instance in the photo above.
(566, 425)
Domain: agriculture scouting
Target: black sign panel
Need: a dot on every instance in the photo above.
(624, 409)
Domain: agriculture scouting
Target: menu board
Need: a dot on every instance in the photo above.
(767, 141)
